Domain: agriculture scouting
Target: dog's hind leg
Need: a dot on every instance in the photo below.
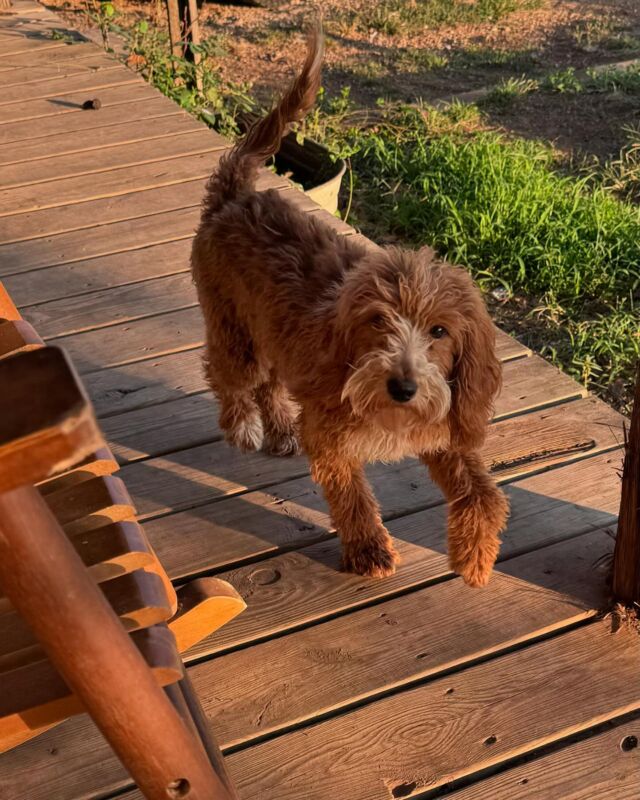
(278, 418)
(233, 373)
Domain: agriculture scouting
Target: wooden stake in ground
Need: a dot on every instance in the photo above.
(184, 30)
(626, 559)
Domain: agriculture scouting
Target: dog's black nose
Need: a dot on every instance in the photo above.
(401, 389)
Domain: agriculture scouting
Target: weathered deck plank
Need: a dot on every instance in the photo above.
(570, 683)
(128, 157)
(93, 280)
(99, 209)
(50, 59)
(270, 687)
(129, 91)
(573, 682)
(606, 767)
(147, 107)
(304, 586)
(86, 64)
(56, 87)
(74, 190)
(73, 155)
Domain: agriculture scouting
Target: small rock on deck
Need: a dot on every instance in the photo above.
(329, 685)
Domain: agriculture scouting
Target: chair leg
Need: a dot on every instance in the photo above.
(206, 736)
(47, 583)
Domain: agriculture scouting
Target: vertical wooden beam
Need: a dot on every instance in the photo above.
(626, 557)
(175, 29)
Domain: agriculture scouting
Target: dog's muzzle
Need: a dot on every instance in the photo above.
(401, 389)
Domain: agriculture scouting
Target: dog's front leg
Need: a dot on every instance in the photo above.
(478, 512)
(367, 548)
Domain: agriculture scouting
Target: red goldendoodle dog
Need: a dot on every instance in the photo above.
(363, 355)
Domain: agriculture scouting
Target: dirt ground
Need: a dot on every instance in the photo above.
(262, 46)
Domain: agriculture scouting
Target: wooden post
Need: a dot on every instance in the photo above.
(175, 30)
(47, 583)
(184, 28)
(626, 557)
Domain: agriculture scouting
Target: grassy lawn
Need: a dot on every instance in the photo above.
(550, 230)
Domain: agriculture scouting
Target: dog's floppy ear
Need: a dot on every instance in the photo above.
(477, 379)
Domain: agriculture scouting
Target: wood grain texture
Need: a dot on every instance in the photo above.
(25, 248)
(118, 238)
(93, 83)
(601, 767)
(18, 45)
(126, 303)
(49, 148)
(183, 143)
(64, 105)
(573, 682)
(88, 64)
(149, 107)
(560, 678)
(50, 59)
(69, 191)
(304, 585)
(93, 277)
(292, 679)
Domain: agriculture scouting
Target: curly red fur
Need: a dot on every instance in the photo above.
(310, 336)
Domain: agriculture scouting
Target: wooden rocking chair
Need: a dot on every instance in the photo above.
(89, 620)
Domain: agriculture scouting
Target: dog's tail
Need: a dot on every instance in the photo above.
(237, 172)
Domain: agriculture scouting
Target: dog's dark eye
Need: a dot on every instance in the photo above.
(438, 332)
(377, 321)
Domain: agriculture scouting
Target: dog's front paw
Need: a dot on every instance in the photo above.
(474, 527)
(373, 557)
(282, 445)
(476, 565)
(247, 434)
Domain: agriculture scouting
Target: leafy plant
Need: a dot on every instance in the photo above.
(564, 81)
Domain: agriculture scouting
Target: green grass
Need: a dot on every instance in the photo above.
(391, 17)
(508, 91)
(604, 81)
(419, 60)
(489, 57)
(614, 79)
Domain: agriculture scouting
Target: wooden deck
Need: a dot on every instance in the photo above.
(329, 685)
